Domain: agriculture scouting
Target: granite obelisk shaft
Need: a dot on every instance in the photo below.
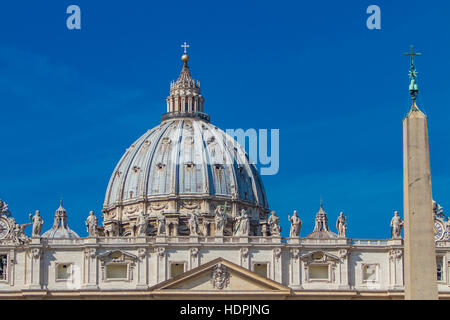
(420, 250)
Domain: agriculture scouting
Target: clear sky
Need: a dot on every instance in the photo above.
(72, 101)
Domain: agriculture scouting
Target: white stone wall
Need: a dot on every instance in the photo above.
(33, 267)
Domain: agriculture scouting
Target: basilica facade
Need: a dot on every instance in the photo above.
(185, 216)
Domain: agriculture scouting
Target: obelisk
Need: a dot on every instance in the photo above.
(420, 251)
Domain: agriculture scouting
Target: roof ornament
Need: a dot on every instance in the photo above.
(438, 210)
(60, 228)
(185, 99)
(185, 57)
(4, 210)
(413, 87)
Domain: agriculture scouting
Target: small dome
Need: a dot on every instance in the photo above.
(321, 229)
(60, 229)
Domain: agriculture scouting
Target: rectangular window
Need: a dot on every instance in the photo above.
(370, 273)
(440, 268)
(318, 272)
(117, 271)
(3, 266)
(63, 271)
(176, 269)
(260, 269)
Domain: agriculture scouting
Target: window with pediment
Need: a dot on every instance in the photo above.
(370, 272)
(117, 265)
(319, 266)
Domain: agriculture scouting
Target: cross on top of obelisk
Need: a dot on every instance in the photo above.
(185, 46)
(413, 87)
(411, 54)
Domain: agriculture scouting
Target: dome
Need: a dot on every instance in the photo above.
(60, 229)
(181, 166)
(185, 157)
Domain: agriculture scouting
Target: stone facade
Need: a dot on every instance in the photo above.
(135, 267)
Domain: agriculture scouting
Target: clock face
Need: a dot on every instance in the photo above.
(4, 228)
(438, 230)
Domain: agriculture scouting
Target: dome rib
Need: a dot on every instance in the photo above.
(124, 181)
(202, 143)
(154, 145)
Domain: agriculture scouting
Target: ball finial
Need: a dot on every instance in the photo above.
(185, 58)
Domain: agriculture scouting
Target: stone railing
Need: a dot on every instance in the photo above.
(194, 114)
(369, 242)
(227, 240)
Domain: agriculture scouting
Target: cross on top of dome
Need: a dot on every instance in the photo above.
(185, 46)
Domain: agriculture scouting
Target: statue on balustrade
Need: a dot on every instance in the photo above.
(161, 224)
(274, 226)
(91, 224)
(296, 225)
(264, 229)
(18, 232)
(341, 225)
(220, 219)
(242, 224)
(37, 222)
(142, 223)
(396, 226)
(193, 224)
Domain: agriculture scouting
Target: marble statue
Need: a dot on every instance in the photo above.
(396, 226)
(341, 225)
(220, 219)
(161, 224)
(296, 225)
(264, 230)
(193, 224)
(91, 224)
(37, 222)
(142, 224)
(274, 226)
(438, 210)
(4, 208)
(243, 224)
(18, 232)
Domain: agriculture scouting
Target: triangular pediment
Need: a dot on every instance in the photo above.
(319, 256)
(221, 276)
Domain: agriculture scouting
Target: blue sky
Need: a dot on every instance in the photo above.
(72, 101)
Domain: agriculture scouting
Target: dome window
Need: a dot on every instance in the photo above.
(189, 140)
(136, 169)
(160, 166)
(189, 165)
